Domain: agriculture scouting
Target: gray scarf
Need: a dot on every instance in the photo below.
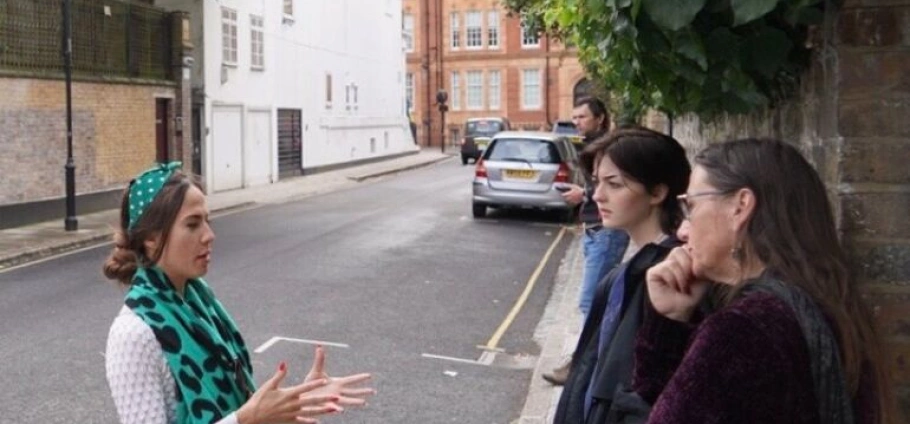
(834, 405)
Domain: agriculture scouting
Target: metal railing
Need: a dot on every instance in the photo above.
(111, 38)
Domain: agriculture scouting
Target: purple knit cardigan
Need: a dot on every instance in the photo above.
(747, 363)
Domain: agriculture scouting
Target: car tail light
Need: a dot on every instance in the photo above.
(562, 175)
(481, 170)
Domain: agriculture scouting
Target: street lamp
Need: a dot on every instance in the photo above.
(70, 222)
(441, 98)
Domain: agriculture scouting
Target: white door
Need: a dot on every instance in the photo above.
(257, 149)
(227, 142)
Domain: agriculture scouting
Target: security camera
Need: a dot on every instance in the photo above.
(188, 61)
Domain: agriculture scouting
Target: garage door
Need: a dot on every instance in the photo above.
(257, 149)
(227, 152)
(290, 146)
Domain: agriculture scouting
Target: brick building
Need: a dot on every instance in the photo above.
(488, 65)
(129, 106)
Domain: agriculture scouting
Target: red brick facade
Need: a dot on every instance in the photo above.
(556, 69)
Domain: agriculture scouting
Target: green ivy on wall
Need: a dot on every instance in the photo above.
(707, 57)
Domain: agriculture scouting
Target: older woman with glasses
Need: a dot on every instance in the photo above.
(792, 341)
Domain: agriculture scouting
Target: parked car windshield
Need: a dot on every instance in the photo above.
(523, 150)
(482, 128)
(567, 128)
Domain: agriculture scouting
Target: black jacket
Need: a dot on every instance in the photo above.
(588, 213)
(613, 373)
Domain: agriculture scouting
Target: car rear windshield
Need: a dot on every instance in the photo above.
(565, 128)
(482, 128)
(523, 150)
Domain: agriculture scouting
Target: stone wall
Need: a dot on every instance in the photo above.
(852, 119)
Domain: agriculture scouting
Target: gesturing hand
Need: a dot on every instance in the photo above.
(673, 288)
(342, 387)
(273, 404)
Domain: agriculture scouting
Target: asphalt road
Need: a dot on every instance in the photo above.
(394, 272)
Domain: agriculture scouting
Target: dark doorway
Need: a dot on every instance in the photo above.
(197, 139)
(162, 144)
(290, 145)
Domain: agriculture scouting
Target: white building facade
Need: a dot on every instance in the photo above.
(287, 87)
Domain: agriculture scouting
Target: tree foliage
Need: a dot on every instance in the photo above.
(706, 57)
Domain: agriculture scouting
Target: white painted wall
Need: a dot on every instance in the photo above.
(358, 42)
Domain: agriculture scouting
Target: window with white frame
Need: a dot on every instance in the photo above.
(493, 89)
(493, 29)
(455, 95)
(454, 30)
(474, 96)
(409, 90)
(257, 42)
(530, 89)
(528, 38)
(287, 9)
(473, 23)
(228, 36)
(407, 30)
(328, 90)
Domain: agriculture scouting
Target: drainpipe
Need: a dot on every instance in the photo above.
(546, 78)
(425, 66)
(440, 74)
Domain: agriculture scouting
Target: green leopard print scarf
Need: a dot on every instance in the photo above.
(203, 348)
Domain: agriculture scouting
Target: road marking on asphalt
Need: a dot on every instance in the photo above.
(494, 340)
(263, 347)
(454, 359)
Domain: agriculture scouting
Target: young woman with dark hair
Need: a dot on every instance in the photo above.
(174, 354)
(793, 341)
(638, 173)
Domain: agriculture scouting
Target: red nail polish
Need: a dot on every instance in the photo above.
(282, 366)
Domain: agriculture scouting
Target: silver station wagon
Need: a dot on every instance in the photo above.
(525, 169)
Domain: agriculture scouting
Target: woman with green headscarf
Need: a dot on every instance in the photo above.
(174, 354)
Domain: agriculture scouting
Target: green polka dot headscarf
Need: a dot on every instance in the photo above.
(146, 186)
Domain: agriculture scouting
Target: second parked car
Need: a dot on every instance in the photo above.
(525, 169)
(477, 135)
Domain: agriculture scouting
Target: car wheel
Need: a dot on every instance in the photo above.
(479, 210)
(464, 160)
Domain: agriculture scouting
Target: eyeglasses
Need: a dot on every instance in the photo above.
(686, 207)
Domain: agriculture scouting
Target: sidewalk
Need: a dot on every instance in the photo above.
(32, 242)
(557, 333)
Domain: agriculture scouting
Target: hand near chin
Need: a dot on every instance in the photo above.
(673, 288)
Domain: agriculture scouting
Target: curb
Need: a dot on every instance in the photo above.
(361, 178)
(31, 255)
(556, 333)
(37, 253)
(98, 238)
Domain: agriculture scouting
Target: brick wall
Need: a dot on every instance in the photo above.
(852, 119)
(559, 69)
(113, 136)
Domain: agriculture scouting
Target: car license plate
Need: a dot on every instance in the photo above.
(481, 143)
(521, 174)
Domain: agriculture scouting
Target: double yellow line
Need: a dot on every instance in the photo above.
(492, 344)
